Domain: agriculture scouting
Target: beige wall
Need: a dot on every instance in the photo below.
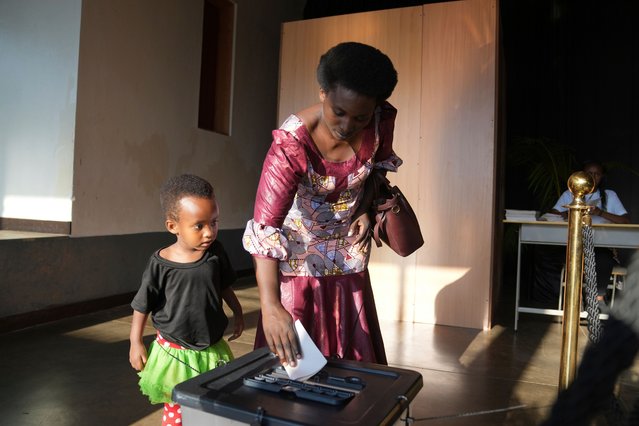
(136, 124)
(445, 55)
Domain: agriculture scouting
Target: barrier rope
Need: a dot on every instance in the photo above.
(590, 285)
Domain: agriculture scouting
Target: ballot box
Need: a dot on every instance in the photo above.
(254, 389)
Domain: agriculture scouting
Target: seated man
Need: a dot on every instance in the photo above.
(605, 207)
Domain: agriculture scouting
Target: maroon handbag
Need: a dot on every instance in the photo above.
(395, 222)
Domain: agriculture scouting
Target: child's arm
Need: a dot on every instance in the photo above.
(228, 295)
(137, 352)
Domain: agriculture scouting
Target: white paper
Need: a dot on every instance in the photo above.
(312, 359)
(552, 217)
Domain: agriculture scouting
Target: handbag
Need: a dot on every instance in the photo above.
(395, 221)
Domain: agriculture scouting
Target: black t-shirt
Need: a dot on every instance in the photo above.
(185, 299)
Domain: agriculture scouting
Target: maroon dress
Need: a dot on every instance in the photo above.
(303, 209)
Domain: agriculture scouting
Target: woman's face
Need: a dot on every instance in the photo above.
(346, 112)
(596, 172)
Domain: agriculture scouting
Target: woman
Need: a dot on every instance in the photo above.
(310, 234)
(605, 207)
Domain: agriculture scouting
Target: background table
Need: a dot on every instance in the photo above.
(556, 233)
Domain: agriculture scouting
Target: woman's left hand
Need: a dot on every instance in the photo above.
(361, 228)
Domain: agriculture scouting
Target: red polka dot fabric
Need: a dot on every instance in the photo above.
(172, 415)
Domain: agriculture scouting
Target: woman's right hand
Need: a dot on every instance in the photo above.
(279, 331)
(277, 323)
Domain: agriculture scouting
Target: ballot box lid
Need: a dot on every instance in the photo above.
(385, 394)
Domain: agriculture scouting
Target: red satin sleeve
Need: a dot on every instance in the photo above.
(386, 129)
(284, 167)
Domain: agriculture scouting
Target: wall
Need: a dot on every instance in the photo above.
(45, 273)
(136, 125)
(38, 79)
(46, 278)
(445, 55)
(138, 104)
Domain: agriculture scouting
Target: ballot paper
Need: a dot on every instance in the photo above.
(312, 360)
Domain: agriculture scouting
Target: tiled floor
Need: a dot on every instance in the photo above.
(76, 371)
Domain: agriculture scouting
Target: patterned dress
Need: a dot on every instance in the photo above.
(303, 209)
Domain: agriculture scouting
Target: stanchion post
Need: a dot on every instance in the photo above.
(580, 184)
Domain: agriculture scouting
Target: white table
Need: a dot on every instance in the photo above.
(556, 233)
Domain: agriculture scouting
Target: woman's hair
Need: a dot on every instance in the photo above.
(357, 67)
(602, 187)
(178, 187)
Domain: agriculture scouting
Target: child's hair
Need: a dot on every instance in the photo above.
(178, 187)
(358, 67)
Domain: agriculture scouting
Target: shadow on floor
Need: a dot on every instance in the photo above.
(76, 371)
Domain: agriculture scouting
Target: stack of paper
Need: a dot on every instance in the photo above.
(552, 217)
(522, 215)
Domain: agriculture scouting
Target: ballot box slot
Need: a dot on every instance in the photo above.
(311, 392)
(324, 378)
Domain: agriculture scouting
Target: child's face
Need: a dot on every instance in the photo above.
(197, 225)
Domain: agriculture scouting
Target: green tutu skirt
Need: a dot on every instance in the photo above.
(167, 366)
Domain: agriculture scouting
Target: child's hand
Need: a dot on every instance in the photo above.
(137, 355)
(238, 327)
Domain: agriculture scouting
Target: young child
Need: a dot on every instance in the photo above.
(182, 289)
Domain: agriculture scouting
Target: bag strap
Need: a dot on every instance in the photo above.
(379, 181)
(380, 218)
(390, 204)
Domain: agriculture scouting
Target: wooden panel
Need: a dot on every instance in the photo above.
(458, 157)
(302, 44)
(445, 57)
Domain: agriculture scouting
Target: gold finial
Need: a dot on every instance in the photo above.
(580, 184)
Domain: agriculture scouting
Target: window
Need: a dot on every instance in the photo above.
(216, 78)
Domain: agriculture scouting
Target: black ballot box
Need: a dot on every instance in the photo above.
(254, 389)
